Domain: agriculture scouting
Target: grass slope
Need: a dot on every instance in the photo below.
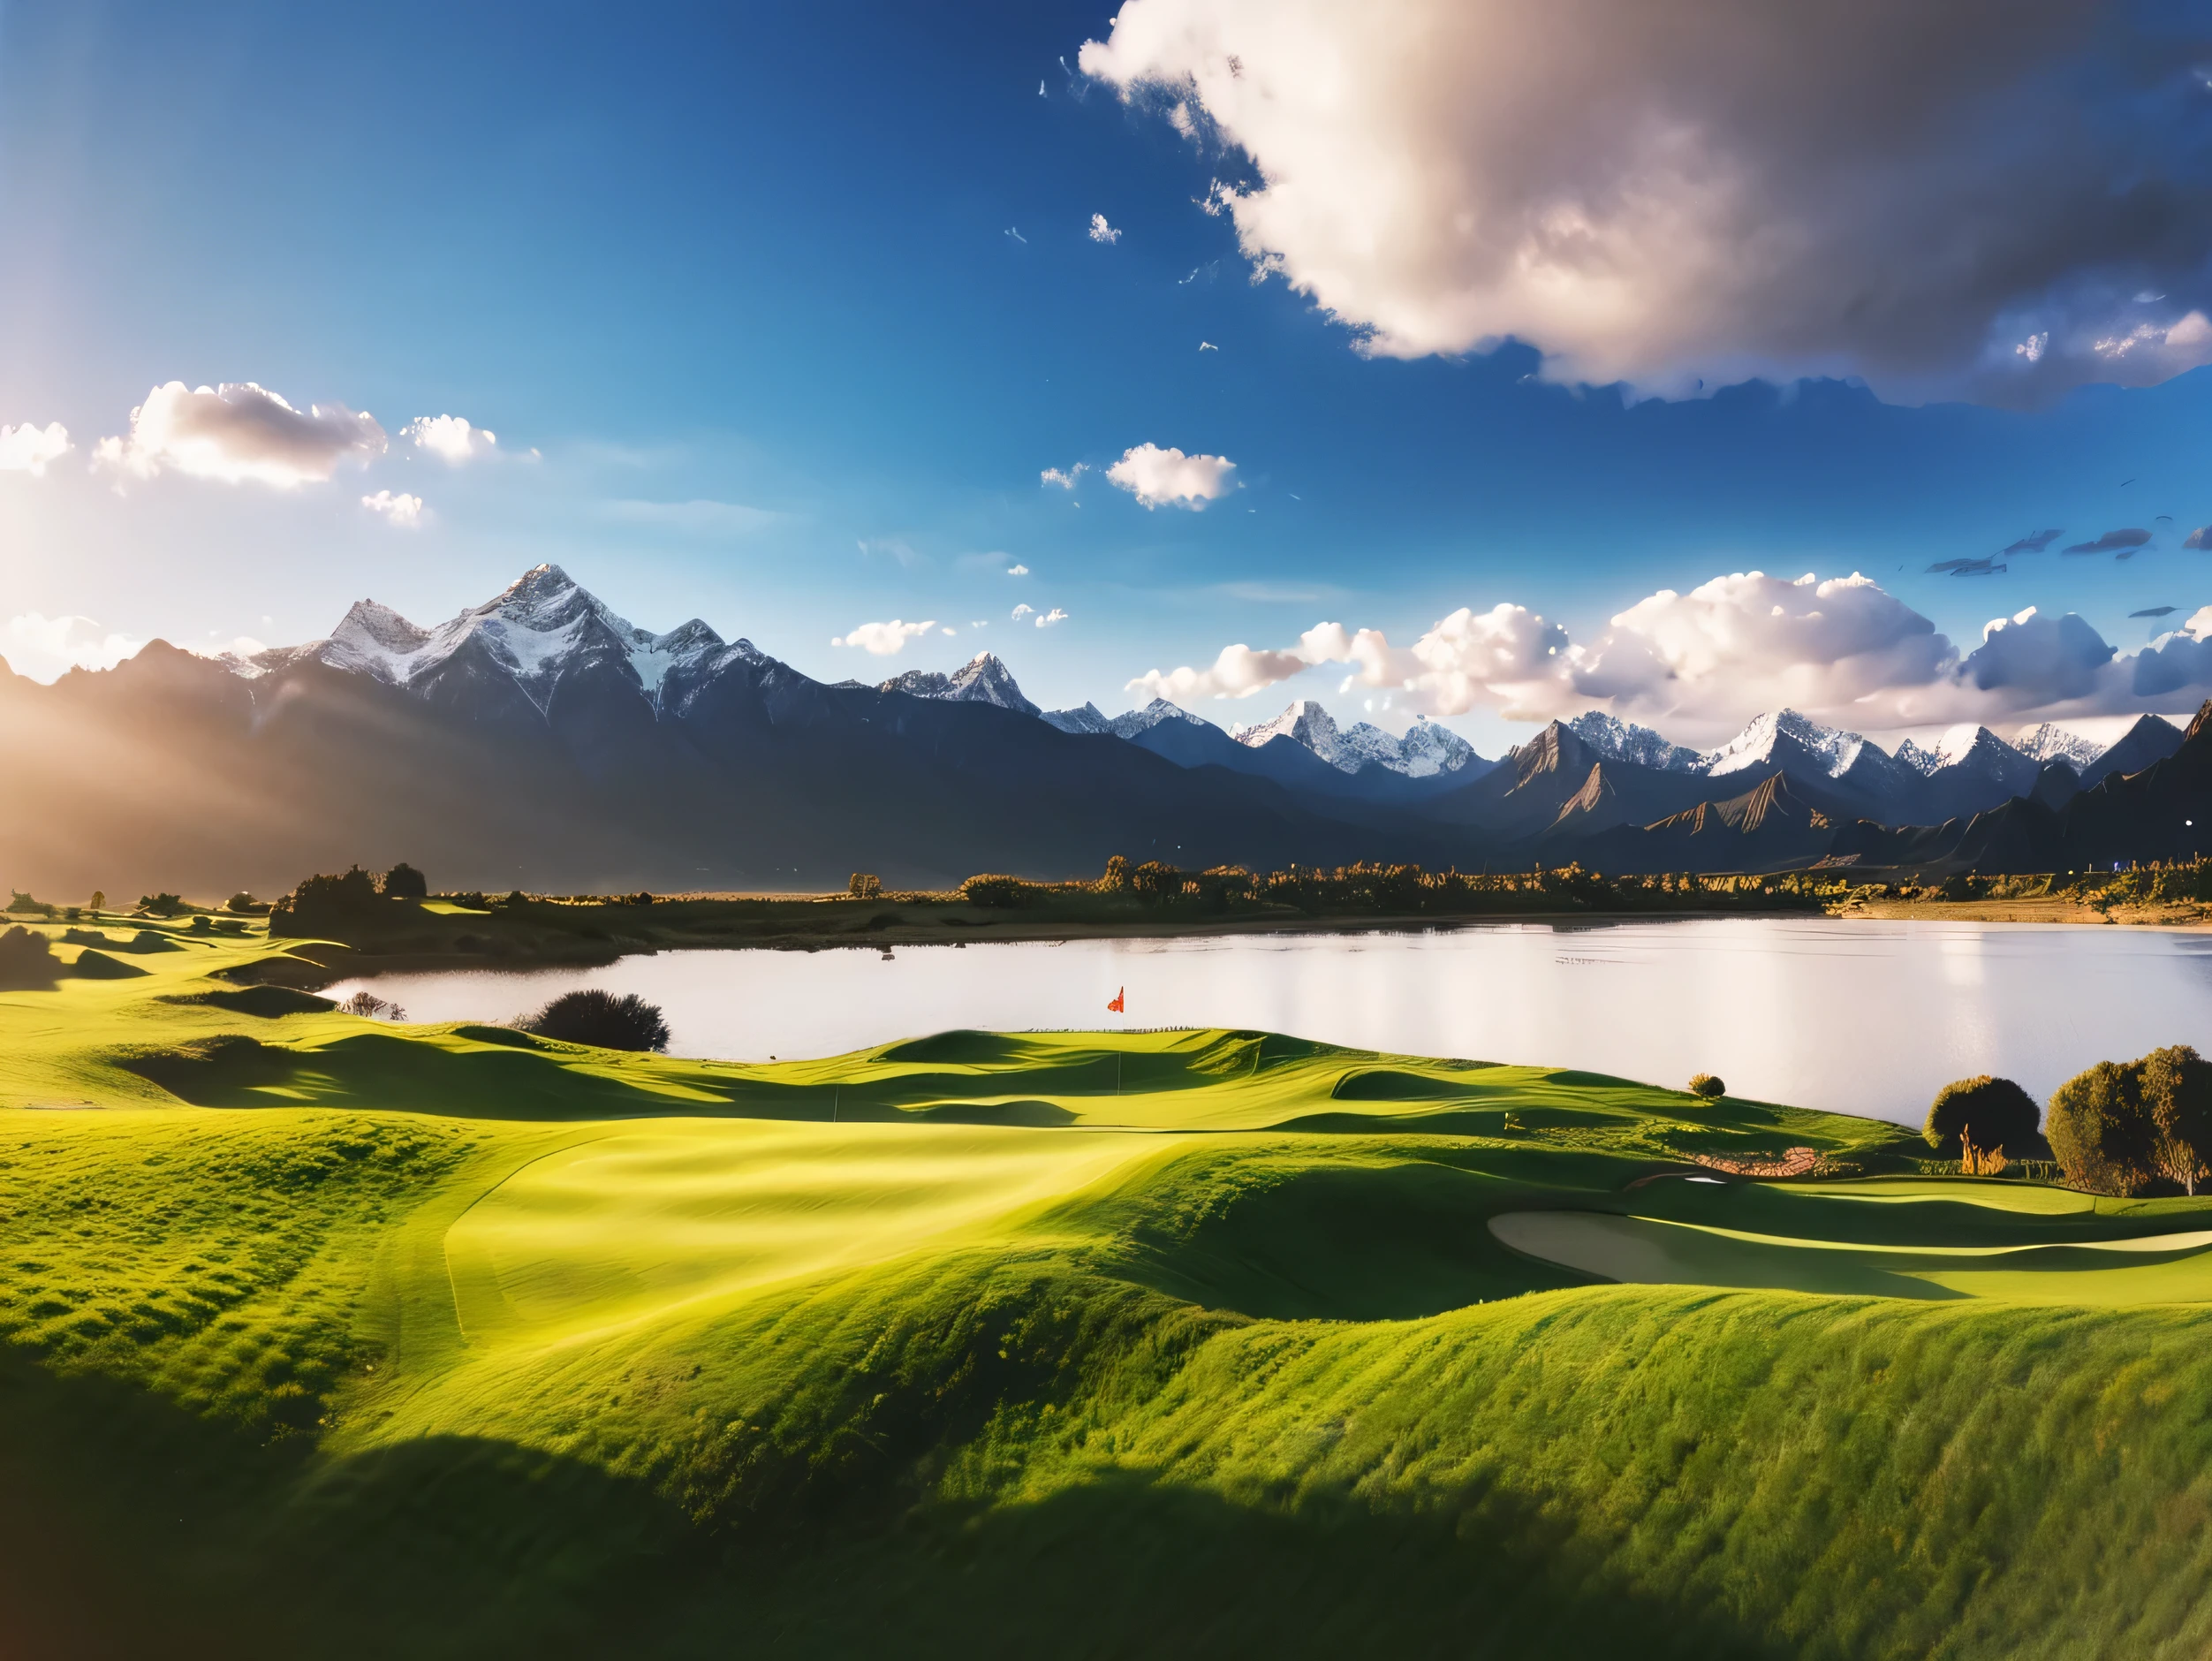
(992, 1344)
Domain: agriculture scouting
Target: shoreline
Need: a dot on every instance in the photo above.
(334, 961)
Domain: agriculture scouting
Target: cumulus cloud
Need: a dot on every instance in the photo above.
(1016, 570)
(239, 432)
(43, 647)
(28, 448)
(1064, 477)
(401, 510)
(1021, 611)
(449, 439)
(883, 640)
(1049, 619)
(1698, 665)
(1689, 194)
(1100, 231)
(1158, 477)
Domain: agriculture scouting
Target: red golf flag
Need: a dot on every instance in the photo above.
(1120, 998)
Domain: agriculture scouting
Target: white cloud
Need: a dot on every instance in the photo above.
(449, 439)
(1016, 570)
(1158, 477)
(1743, 643)
(1049, 619)
(1021, 611)
(43, 647)
(1100, 231)
(1692, 193)
(400, 508)
(1065, 478)
(1698, 665)
(27, 449)
(239, 432)
(883, 640)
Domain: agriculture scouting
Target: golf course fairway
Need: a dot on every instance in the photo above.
(328, 1337)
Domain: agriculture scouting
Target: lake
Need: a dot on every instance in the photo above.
(1861, 1017)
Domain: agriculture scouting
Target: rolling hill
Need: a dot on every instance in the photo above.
(326, 1336)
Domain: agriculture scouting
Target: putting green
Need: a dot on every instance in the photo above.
(628, 1225)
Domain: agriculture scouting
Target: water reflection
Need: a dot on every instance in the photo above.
(1870, 1018)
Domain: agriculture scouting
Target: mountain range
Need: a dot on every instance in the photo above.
(540, 740)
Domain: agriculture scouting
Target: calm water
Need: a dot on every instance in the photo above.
(1865, 1017)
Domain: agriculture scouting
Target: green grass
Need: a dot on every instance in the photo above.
(329, 1337)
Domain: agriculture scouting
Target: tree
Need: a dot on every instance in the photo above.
(864, 886)
(403, 881)
(326, 904)
(1708, 1087)
(1995, 1112)
(2177, 1093)
(601, 1019)
(2099, 1131)
(99, 902)
(1116, 878)
(27, 960)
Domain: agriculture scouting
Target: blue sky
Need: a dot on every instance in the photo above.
(742, 295)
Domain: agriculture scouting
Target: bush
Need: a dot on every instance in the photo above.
(159, 905)
(1997, 1113)
(993, 890)
(244, 905)
(1708, 1087)
(373, 1007)
(403, 881)
(601, 1019)
(863, 886)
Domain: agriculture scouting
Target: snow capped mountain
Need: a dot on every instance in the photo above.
(1833, 750)
(2050, 742)
(1608, 735)
(1425, 751)
(1129, 724)
(1428, 749)
(540, 628)
(1089, 718)
(982, 679)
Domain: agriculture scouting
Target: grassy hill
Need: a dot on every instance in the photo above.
(333, 1337)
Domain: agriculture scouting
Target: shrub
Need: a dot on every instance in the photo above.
(1708, 1087)
(375, 1008)
(993, 890)
(602, 1019)
(863, 886)
(403, 881)
(244, 905)
(159, 905)
(1998, 1112)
